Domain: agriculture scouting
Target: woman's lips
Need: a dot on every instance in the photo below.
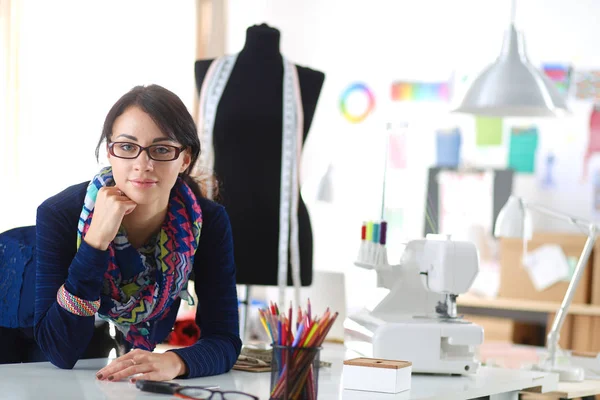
(143, 184)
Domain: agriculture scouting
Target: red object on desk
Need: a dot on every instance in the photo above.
(185, 331)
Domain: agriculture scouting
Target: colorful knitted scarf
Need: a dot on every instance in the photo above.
(138, 291)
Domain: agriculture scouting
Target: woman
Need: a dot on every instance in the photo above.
(123, 246)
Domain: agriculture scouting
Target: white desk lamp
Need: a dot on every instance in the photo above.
(514, 221)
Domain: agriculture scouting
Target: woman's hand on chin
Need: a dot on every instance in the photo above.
(145, 365)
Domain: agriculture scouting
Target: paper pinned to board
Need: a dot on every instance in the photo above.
(488, 131)
(548, 180)
(560, 74)
(593, 146)
(587, 84)
(448, 144)
(397, 150)
(523, 146)
(546, 266)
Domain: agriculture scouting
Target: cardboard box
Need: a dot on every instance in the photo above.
(514, 278)
(506, 330)
(531, 334)
(595, 295)
(494, 329)
(566, 333)
(596, 336)
(585, 335)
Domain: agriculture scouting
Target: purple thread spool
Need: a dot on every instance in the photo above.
(382, 232)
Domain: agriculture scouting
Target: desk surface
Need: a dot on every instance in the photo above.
(572, 390)
(43, 380)
(508, 355)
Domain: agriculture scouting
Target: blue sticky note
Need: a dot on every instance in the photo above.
(448, 148)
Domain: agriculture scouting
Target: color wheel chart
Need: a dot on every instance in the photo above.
(420, 91)
(357, 102)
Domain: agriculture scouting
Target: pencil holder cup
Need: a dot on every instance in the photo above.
(295, 373)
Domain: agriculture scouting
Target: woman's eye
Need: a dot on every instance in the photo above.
(126, 147)
(162, 150)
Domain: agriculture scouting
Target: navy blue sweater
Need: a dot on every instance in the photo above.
(63, 336)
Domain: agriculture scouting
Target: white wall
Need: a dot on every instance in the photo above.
(76, 60)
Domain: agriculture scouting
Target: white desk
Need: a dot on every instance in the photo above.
(43, 380)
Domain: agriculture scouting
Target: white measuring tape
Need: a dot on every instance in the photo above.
(212, 89)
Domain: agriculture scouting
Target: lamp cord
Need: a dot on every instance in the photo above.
(513, 11)
(385, 167)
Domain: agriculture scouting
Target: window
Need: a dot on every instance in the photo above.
(75, 59)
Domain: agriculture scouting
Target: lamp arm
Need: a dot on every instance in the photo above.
(559, 319)
(556, 214)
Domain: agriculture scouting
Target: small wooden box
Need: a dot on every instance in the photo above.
(377, 375)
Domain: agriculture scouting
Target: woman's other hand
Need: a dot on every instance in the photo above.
(111, 206)
(151, 366)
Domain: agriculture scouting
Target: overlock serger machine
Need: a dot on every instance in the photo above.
(417, 321)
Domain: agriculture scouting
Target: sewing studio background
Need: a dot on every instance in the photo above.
(413, 89)
(384, 106)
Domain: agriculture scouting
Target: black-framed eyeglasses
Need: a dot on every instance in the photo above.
(156, 152)
(200, 393)
(192, 392)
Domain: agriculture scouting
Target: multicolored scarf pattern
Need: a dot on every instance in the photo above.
(138, 291)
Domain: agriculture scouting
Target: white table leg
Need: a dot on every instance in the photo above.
(505, 396)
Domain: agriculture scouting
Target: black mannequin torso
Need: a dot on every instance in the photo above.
(247, 140)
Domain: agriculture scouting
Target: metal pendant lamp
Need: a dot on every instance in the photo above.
(512, 86)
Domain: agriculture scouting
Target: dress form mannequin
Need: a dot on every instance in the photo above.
(247, 141)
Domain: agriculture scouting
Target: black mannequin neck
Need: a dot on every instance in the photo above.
(262, 41)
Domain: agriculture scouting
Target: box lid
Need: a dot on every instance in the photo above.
(377, 363)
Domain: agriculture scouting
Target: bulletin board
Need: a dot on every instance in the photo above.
(500, 186)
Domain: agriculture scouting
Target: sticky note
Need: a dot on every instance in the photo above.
(448, 148)
(489, 131)
(523, 146)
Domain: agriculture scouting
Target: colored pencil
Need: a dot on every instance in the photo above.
(294, 352)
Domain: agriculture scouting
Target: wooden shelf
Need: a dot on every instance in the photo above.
(525, 305)
(567, 390)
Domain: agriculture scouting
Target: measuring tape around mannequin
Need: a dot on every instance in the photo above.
(211, 92)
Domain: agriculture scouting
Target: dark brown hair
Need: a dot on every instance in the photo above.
(172, 117)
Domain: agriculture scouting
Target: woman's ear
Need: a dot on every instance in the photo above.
(187, 160)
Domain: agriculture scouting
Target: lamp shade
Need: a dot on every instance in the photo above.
(512, 86)
(514, 221)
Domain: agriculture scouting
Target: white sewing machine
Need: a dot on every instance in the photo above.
(417, 320)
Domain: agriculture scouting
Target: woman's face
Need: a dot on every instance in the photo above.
(143, 180)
